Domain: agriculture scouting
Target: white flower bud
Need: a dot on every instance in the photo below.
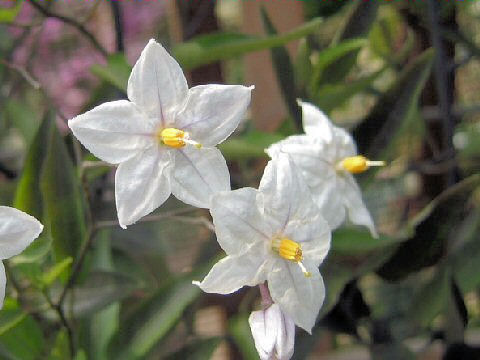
(273, 333)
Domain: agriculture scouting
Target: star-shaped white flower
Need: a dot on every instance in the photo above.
(163, 138)
(17, 231)
(327, 157)
(273, 333)
(276, 234)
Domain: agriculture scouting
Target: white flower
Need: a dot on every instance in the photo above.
(273, 333)
(17, 231)
(163, 138)
(276, 234)
(327, 157)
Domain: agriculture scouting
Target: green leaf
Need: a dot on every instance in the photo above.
(206, 49)
(284, 71)
(199, 350)
(62, 197)
(15, 325)
(116, 72)
(250, 145)
(348, 240)
(430, 231)
(331, 96)
(465, 256)
(28, 197)
(104, 323)
(101, 289)
(303, 67)
(357, 25)
(60, 350)
(52, 274)
(330, 57)
(9, 14)
(393, 108)
(154, 319)
(239, 329)
(24, 118)
(431, 298)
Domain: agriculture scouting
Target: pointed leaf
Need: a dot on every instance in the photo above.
(206, 49)
(63, 198)
(375, 132)
(154, 319)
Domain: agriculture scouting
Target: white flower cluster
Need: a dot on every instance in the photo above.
(163, 139)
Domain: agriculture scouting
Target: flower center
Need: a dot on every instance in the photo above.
(289, 250)
(357, 164)
(176, 138)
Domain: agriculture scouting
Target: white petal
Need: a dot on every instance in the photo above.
(213, 112)
(285, 192)
(234, 272)
(299, 297)
(17, 231)
(328, 196)
(264, 326)
(357, 211)
(198, 174)
(142, 184)
(157, 84)
(314, 235)
(315, 122)
(286, 338)
(273, 333)
(3, 283)
(114, 131)
(344, 144)
(238, 219)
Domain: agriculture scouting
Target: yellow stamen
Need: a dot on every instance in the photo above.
(358, 164)
(290, 250)
(176, 138)
(172, 137)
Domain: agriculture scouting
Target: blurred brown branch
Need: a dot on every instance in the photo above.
(80, 27)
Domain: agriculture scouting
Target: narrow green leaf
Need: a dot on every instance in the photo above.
(330, 57)
(101, 289)
(154, 319)
(62, 197)
(24, 118)
(28, 197)
(284, 72)
(430, 231)
(331, 96)
(116, 72)
(104, 323)
(60, 350)
(52, 274)
(357, 25)
(214, 47)
(15, 325)
(348, 240)
(239, 329)
(431, 298)
(251, 145)
(397, 105)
